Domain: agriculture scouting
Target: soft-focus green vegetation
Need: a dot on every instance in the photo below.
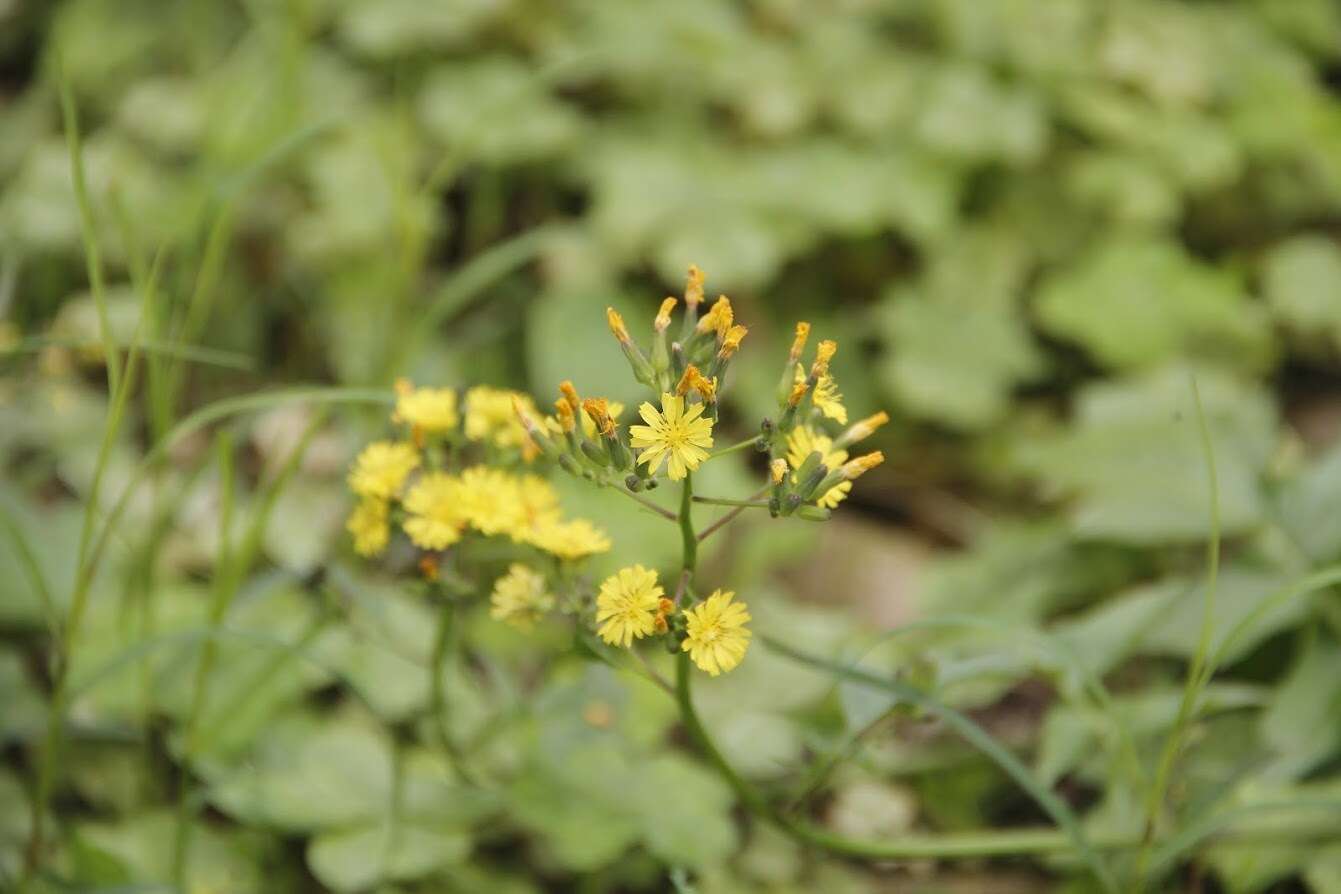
(1031, 224)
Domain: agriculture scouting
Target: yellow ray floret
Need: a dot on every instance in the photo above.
(627, 604)
(716, 636)
(434, 519)
(381, 469)
(520, 597)
(573, 539)
(682, 436)
(804, 441)
(368, 526)
(430, 410)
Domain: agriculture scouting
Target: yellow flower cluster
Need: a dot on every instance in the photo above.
(437, 507)
(632, 605)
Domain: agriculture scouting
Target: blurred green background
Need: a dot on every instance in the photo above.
(1029, 223)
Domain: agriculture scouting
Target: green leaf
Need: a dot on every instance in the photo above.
(1139, 302)
(1299, 724)
(1307, 507)
(356, 859)
(1133, 466)
(1302, 281)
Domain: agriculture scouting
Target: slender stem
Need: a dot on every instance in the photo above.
(735, 448)
(442, 643)
(720, 501)
(661, 511)
(729, 517)
(689, 562)
(1201, 669)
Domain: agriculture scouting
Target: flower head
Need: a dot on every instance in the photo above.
(777, 471)
(692, 378)
(716, 637)
(598, 411)
(368, 526)
(430, 410)
(627, 604)
(861, 465)
(719, 318)
(826, 396)
(799, 342)
(731, 340)
(490, 500)
(616, 324)
(803, 441)
(863, 428)
(663, 320)
(681, 435)
(693, 287)
(382, 468)
(433, 507)
(574, 539)
(520, 597)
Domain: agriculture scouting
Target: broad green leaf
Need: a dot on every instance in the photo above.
(1302, 280)
(1133, 466)
(1139, 302)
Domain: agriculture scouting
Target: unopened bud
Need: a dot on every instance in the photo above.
(861, 430)
(564, 412)
(570, 395)
(616, 323)
(855, 468)
(813, 513)
(633, 482)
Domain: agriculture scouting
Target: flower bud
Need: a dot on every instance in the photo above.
(855, 468)
(731, 340)
(570, 394)
(823, 354)
(642, 370)
(663, 320)
(693, 287)
(861, 430)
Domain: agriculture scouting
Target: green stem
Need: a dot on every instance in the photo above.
(442, 643)
(735, 448)
(720, 501)
(659, 510)
(1202, 667)
(689, 562)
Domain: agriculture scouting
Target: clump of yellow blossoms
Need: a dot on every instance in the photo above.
(473, 466)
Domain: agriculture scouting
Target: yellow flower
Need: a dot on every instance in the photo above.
(663, 320)
(804, 441)
(572, 540)
(368, 526)
(718, 318)
(431, 410)
(490, 500)
(520, 597)
(716, 638)
(826, 396)
(627, 605)
(490, 415)
(862, 464)
(381, 469)
(799, 341)
(693, 287)
(537, 504)
(682, 435)
(434, 507)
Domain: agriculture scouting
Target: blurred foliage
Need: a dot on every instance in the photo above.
(1028, 222)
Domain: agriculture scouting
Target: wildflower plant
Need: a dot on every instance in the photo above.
(449, 477)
